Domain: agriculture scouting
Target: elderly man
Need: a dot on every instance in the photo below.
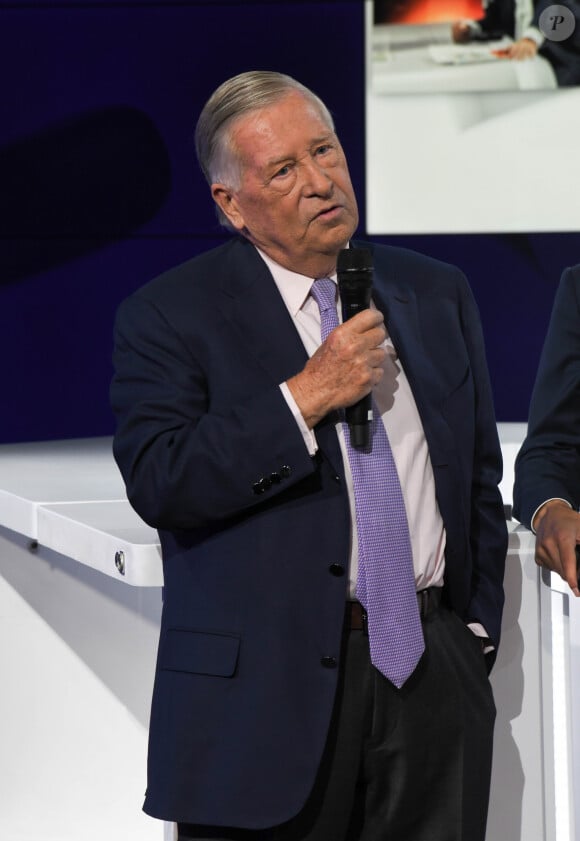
(547, 471)
(316, 676)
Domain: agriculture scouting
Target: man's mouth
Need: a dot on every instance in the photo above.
(329, 212)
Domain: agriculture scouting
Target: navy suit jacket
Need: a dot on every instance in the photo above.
(254, 530)
(548, 464)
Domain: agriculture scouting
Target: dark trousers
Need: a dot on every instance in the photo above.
(400, 765)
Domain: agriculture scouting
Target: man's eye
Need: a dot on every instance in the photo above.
(322, 150)
(282, 171)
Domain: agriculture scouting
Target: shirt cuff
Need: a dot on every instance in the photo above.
(533, 517)
(534, 35)
(307, 434)
(473, 26)
(480, 632)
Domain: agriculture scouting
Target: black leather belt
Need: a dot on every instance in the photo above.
(428, 600)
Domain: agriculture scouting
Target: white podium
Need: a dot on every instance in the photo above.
(77, 650)
(80, 601)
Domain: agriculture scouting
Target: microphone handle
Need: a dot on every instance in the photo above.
(354, 272)
(359, 417)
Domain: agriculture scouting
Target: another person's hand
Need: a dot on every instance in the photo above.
(557, 535)
(460, 32)
(344, 368)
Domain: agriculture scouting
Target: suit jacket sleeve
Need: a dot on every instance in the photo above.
(499, 18)
(548, 464)
(192, 455)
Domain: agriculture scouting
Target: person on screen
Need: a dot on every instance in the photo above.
(316, 676)
(503, 17)
(547, 469)
(520, 20)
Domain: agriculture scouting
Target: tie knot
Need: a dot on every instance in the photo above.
(323, 291)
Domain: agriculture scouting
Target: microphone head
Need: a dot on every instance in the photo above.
(354, 260)
(354, 272)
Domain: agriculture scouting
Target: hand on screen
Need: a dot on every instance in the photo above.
(460, 32)
(520, 50)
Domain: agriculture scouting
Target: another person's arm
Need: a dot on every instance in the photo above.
(547, 486)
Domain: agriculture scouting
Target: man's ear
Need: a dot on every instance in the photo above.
(226, 201)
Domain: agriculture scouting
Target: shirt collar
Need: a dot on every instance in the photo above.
(293, 287)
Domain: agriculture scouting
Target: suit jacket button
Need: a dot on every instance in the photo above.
(275, 478)
(336, 569)
(285, 471)
(259, 487)
(329, 662)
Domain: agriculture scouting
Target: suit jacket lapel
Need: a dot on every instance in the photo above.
(256, 311)
(258, 314)
(398, 303)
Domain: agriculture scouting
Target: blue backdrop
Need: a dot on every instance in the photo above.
(99, 189)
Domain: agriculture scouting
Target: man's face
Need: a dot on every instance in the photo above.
(295, 200)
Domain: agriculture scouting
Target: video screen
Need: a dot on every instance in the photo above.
(468, 45)
(461, 138)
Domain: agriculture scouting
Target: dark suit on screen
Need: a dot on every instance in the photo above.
(255, 531)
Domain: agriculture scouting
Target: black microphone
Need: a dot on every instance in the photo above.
(354, 270)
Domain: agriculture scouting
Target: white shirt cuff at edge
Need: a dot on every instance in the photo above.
(307, 434)
(480, 631)
(541, 506)
(534, 35)
(473, 26)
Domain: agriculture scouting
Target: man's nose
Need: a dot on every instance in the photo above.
(316, 179)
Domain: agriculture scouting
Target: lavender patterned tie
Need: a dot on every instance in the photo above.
(385, 584)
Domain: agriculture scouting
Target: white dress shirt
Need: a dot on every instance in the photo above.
(395, 401)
